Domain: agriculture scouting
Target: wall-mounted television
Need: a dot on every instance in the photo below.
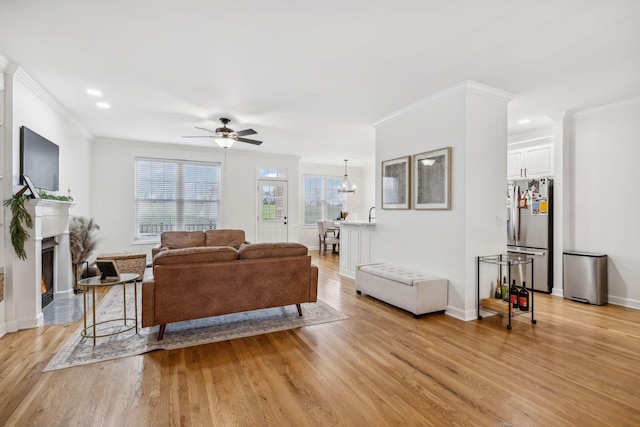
(39, 160)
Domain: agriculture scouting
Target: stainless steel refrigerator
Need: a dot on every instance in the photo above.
(530, 230)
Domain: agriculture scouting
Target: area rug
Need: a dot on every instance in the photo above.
(81, 351)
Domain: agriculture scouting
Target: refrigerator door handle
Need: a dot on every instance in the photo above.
(515, 214)
(521, 251)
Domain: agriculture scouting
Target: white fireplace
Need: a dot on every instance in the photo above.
(51, 219)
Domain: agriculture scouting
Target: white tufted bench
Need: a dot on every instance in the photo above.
(416, 292)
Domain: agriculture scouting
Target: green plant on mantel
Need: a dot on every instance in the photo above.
(20, 219)
(45, 195)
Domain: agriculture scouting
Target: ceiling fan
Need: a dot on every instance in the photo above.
(225, 137)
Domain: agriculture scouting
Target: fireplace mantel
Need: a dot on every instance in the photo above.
(50, 219)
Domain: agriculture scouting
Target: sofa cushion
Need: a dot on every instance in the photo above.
(224, 238)
(203, 254)
(181, 239)
(271, 250)
(397, 274)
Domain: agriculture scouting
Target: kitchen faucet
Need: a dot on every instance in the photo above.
(372, 208)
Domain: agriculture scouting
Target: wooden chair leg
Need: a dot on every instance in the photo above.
(299, 309)
(161, 331)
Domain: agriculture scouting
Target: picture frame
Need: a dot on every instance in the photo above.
(396, 183)
(432, 179)
(32, 188)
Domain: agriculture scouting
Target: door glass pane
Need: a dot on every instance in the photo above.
(273, 202)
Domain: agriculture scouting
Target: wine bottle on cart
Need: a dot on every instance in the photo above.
(513, 294)
(505, 289)
(523, 297)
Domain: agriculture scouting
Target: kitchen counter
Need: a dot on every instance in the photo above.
(356, 240)
(366, 223)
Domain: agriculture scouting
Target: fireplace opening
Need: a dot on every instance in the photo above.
(48, 254)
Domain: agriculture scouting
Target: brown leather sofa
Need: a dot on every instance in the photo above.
(203, 281)
(197, 239)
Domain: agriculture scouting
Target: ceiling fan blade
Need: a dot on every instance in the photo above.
(246, 132)
(208, 130)
(250, 141)
(197, 136)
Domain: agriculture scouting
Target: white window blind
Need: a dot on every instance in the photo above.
(175, 195)
(322, 200)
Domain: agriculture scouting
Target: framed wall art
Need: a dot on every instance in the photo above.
(432, 179)
(396, 183)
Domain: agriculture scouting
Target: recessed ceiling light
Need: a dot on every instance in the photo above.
(94, 92)
(103, 105)
(523, 121)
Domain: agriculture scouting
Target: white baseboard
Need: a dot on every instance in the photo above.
(624, 302)
(461, 314)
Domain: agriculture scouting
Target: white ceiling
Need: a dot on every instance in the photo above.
(311, 76)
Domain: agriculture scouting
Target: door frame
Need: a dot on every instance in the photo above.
(267, 181)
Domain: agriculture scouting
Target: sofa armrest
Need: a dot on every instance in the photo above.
(148, 299)
(155, 250)
(313, 284)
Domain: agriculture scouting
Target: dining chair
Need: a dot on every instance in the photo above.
(325, 239)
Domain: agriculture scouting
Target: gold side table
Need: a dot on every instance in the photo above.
(95, 282)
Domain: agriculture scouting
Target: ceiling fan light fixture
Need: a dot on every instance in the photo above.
(224, 142)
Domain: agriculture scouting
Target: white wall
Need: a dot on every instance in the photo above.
(606, 203)
(27, 104)
(446, 242)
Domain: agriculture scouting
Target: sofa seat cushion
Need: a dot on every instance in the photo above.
(233, 238)
(271, 250)
(203, 254)
(397, 274)
(181, 239)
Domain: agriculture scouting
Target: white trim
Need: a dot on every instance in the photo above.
(21, 75)
(547, 140)
(629, 103)
(624, 302)
(465, 86)
(4, 63)
(461, 314)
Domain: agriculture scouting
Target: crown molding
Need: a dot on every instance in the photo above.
(466, 86)
(4, 62)
(21, 75)
(628, 103)
(564, 115)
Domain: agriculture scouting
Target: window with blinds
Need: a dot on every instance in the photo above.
(322, 200)
(175, 195)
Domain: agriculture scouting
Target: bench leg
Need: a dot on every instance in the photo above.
(299, 309)
(161, 331)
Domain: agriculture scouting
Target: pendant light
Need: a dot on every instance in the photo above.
(346, 185)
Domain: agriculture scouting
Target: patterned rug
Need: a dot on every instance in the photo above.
(81, 351)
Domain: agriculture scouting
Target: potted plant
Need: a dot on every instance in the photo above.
(83, 240)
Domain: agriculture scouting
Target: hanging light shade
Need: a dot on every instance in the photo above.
(346, 185)
(224, 141)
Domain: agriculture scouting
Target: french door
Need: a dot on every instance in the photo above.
(272, 211)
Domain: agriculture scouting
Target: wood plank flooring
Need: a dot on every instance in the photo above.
(579, 366)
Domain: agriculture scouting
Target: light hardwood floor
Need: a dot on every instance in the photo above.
(578, 366)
